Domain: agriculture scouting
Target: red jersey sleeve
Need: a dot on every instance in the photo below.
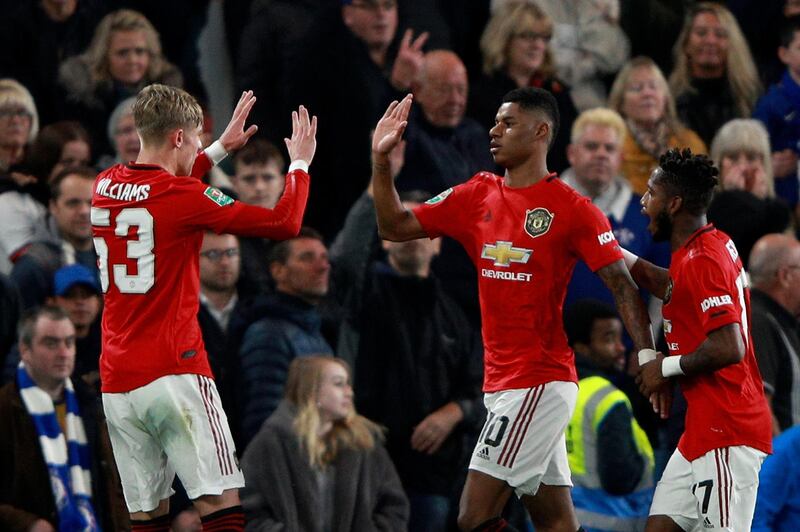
(713, 292)
(446, 214)
(592, 239)
(202, 164)
(207, 207)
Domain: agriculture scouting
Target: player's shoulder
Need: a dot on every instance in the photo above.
(485, 179)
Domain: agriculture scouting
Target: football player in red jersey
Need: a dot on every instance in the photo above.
(712, 478)
(164, 413)
(524, 231)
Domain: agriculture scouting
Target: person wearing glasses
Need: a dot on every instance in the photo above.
(516, 53)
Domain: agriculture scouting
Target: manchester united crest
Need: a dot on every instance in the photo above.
(538, 221)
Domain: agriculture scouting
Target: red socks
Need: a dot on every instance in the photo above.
(227, 520)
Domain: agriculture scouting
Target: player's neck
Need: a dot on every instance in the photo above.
(526, 174)
(163, 157)
(684, 227)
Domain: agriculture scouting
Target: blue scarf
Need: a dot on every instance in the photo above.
(67, 460)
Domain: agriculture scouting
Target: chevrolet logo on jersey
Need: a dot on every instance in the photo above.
(504, 253)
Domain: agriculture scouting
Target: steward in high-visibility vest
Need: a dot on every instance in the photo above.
(610, 457)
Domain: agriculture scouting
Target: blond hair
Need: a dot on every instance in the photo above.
(302, 387)
(509, 19)
(617, 96)
(124, 20)
(599, 116)
(744, 135)
(14, 94)
(740, 71)
(159, 109)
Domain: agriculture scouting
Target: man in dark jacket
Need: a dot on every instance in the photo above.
(417, 364)
(29, 474)
(282, 326)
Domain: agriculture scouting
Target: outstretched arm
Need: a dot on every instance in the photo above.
(395, 222)
(652, 278)
(629, 303)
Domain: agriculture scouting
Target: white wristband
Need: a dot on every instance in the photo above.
(299, 164)
(629, 258)
(646, 355)
(671, 367)
(216, 152)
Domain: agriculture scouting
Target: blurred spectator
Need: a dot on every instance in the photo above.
(122, 136)
(652, 27)
(282, 326)
(124, 56)
(70, 483)
(58, 146)
(588, 46)
(346, 72)
(19, 125)
(416, 362)
(610, 457)
(442, 149)
(596, 156)
(219, 300)
(65, 238)
(10, 309)
(77, 292)
(778, 111)
(268, 39)
(642, 96)
(778, 503)
(327, 461)
(516, 53)
(258, 179)
(741, 152)
(746, 218)
(37, 35)
(714, 79)
(775, 274)
(452, 25)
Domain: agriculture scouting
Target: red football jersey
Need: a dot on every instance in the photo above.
(524, 243)
(148, 228)
(708, 291)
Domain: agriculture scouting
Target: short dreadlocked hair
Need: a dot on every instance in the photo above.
(692, 177)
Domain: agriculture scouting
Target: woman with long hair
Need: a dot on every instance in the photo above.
(640, 94)
(714, 79)
(741, 151)
(516, 53)
(124, 56)
(316, 465)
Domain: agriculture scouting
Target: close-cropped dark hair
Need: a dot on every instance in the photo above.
(536, 99)
(280, 250)
(81, 171)
(26, 328)
(258, 151)
(580, 317)
(788, 30)
(692, 177)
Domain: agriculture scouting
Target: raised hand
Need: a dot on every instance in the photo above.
(390, 127)
(235, 136)
(303, 143)
(409, 60)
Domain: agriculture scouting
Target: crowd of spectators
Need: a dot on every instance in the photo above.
(632, 78)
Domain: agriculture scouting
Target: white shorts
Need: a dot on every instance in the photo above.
(523, 440)
(714, 492)
(174, 424)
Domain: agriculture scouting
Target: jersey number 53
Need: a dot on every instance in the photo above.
(139, 250)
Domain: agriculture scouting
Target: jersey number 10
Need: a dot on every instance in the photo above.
(140, 250)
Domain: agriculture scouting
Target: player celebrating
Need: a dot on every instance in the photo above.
(163, 410)
(711, 480)
(524, 232)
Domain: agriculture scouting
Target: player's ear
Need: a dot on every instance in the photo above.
(176, 138)
(675, 204)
